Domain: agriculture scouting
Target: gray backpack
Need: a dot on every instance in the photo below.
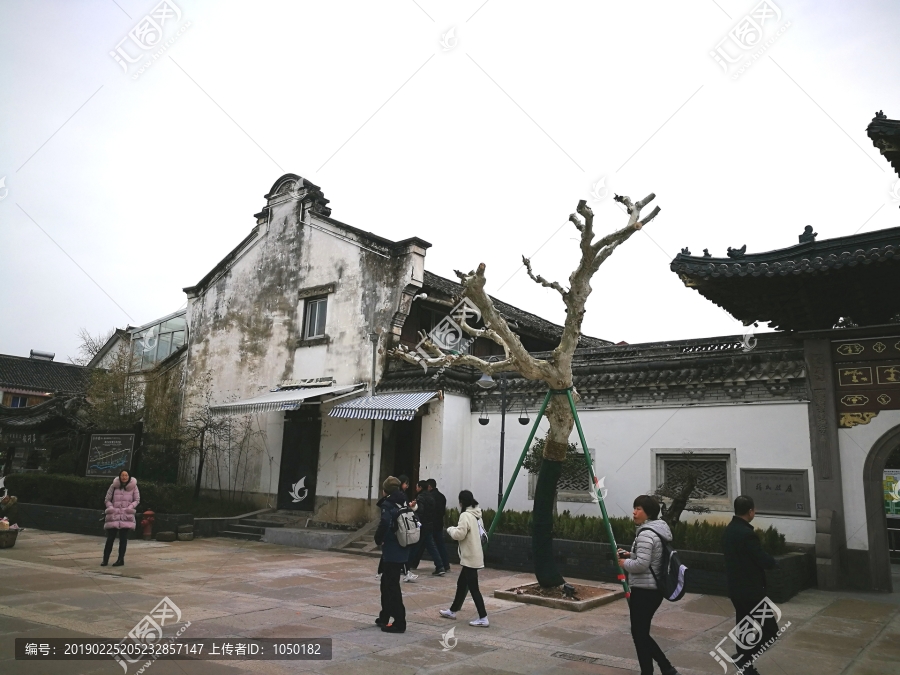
(407, 527)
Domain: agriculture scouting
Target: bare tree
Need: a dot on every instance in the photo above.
(555, 371)
(90, 345)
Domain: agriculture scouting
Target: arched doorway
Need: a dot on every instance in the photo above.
(876, 521)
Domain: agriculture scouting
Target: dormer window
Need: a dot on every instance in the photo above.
(314, 323)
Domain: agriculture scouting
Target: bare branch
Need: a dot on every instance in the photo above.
(641, 223)
(541, 280)
(578, 224)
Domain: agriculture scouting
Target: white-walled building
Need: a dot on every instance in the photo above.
(282, 331)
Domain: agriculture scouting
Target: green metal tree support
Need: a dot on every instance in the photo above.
(590, 468)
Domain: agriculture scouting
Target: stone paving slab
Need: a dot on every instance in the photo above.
(53, 585)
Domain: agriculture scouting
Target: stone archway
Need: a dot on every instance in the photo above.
(876, 521)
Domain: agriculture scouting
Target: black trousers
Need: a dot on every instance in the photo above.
(110, 538)
(642, 606)
(426, 540)
(438, 537)
(742, 609)
(468, 583)
(391, 595)
(403, 569)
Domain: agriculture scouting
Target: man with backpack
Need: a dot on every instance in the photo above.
(745, 566)
(644, 565)
(393, 558)
(425, 510)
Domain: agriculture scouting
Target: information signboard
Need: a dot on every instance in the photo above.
(777, 492)
(109, 454)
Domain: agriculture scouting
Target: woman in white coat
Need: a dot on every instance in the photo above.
(471, 559)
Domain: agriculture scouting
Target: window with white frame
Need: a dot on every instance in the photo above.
(314, 323)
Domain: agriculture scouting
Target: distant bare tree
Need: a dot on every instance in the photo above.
(90, 345)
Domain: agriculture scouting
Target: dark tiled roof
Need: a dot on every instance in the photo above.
(58, 410)
(885, 135)
(775, 360)
(531, 323)
(50, 376)
(808, 286)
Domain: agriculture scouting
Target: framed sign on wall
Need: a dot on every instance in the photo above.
(109, 454)
(777, 492)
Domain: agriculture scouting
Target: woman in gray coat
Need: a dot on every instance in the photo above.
(643, 565)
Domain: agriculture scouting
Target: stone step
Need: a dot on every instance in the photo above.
(260, 522)
(248, 529)
(248, 536)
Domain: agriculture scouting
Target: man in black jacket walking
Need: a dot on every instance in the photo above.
(440, 508)
(425, 512)
(745, 565)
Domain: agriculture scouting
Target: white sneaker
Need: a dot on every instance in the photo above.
(378, 576)
(481, 623)
(447, 614)
(410, 577)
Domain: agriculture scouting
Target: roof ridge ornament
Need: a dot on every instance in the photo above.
(808, 235)
(737, 252)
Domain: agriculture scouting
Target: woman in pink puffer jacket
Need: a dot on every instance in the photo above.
(122, 500)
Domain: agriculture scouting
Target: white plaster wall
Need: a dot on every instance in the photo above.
(763, 436)
(432, 443)
(450, 457)
(855, 445)
(344, 458)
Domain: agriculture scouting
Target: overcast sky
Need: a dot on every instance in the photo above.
(474, 125)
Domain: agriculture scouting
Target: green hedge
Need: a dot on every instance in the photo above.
(696, 536)
(88, 493)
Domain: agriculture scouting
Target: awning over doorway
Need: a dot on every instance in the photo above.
(284, 399)
(396, 407)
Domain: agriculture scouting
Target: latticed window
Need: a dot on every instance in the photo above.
(572, 487)
(712, 475)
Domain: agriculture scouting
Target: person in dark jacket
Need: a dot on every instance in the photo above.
(440, 508)
(745, 566)
(425, 511)
(393, 558)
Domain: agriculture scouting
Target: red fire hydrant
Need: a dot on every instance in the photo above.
(147, 524)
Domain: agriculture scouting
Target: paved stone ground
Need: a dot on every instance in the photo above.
(52, 586)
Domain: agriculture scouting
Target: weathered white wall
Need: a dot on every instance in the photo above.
(855, 445)
(763, 436)
(246, 322)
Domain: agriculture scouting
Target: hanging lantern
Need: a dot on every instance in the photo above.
(483, 419)
(523, 416)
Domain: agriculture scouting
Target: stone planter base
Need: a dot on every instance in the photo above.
(608, 593)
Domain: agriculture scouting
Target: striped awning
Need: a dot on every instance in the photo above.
(284, 399)
(396, 407)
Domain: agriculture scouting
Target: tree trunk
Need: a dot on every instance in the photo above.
(673, 513)
(542, 525)
(200, 465)
(555, 448)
